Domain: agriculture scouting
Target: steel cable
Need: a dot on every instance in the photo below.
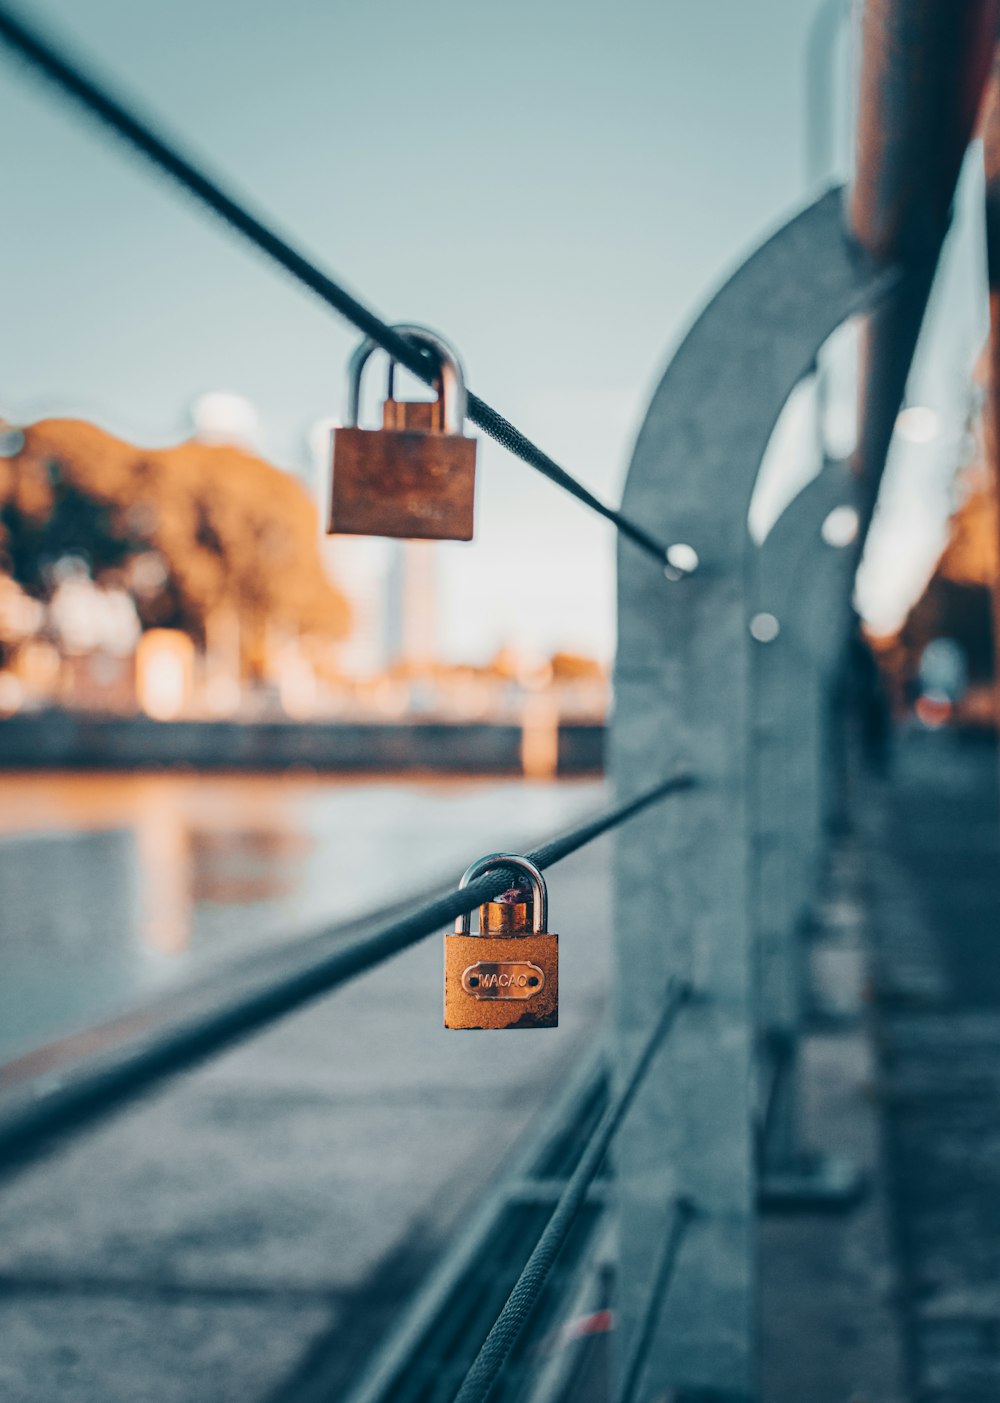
(96, 97)
(635, 1362)
(486, 1367)
(151, 1050)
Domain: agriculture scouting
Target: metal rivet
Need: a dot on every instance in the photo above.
(841, 527)
(764, 628)
(681, 560)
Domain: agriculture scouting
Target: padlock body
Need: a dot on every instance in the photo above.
(488, 981)
(403, 483)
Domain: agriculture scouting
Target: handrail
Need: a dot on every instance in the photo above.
(685, 1211)
(47, 1111)
(486, 1367)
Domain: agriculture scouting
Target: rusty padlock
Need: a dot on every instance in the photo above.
(507, 976)
(416, 476)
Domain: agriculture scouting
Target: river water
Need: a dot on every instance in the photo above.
(114, 887)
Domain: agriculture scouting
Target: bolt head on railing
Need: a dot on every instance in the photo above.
(681, 561)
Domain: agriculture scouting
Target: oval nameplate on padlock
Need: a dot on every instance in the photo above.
(503, 979)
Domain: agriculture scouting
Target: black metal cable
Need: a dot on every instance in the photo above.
(153, 1050)
(663, 1275)
(522, 1300)
(65, 71)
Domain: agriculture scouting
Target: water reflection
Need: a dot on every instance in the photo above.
(244, 865)
(192, 841)
(67, 922)
(116, 886)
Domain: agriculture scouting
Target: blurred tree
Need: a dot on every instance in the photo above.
(575, 667)
(191, 532)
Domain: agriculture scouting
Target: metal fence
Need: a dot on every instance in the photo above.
(729, 656)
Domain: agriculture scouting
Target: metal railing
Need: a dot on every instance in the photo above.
(150, 1046)
(697, 1097)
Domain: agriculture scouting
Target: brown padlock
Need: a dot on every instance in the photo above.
(507, 976)
(415, 477)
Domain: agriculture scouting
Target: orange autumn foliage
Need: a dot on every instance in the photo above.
(230, 533)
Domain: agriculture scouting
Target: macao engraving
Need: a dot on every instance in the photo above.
(507, 979)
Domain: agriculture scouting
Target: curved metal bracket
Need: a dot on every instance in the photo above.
(683, 884)
(805, 585)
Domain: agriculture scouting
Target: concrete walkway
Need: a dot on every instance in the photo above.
(935, 898)
(831, 1327)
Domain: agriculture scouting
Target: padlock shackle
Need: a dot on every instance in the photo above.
(451, 383)
(539, 893)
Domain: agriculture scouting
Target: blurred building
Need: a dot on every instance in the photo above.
(360, 566)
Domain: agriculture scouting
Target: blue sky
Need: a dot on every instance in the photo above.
(557, 187)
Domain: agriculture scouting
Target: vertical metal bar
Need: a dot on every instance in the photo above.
(820, 113)
(804, 585)
(923, 69)
(683, 875)
(991, 157)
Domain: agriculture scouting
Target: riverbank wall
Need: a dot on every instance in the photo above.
(65, 740)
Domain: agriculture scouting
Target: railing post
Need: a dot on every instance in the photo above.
(683, 871)
(803, 591)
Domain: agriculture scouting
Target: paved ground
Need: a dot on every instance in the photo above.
(830, 1321)
(935, 896)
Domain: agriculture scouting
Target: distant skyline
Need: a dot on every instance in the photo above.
(557, 188)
